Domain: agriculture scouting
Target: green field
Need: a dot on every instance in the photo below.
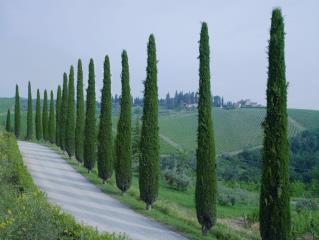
(234, 129)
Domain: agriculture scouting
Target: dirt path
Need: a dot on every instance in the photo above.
(75, 195)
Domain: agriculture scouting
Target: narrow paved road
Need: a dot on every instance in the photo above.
(74, 194)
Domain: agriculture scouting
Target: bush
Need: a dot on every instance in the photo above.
(251, 218)
(179, 181)
(231, 196)
(305, 225)
(304, 205)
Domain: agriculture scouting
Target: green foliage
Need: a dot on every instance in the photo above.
(136, 138)
(275, 220)
(251, 218)
(17, 113)
(149, 157)
(90, 122)
(38, 118)
(79, 128)
(176, 179)
(30, 113)
(58, 117)
(45, 118)
(105, 144)
(52, 120)
(63, 112)
(123, 144)
(205, 193)
(303, 205)
(70, 118)
(8, 121)
(305, 225)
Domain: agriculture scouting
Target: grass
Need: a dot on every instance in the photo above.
(173, 208)
(234, 129)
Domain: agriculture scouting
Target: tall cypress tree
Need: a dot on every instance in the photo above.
(57, 117)
(79, 128)
(274, 217)
(70, 121)
(149, 157)
(63, 112)
(136, 138)
(17, 113)
(205, 194)
(45, 122)
(30, 113)
(123, 162)
(38, 119)
(8, 121)
(105, 153)
(90, 121)
(51, 120)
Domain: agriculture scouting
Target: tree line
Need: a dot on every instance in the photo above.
(75, 131)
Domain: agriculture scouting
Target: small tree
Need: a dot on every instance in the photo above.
(58, 117)
(8, 121)
(45, 119)
(17, 113)
(63, 113)
(70, 121)
(51, 120)
(105, 145)
(79, 128)
(30, 113)
(38, 119)
(149, 159)
(205, 193)
(90, 122)
(274, 204)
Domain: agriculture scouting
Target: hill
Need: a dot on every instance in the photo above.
(235, 129)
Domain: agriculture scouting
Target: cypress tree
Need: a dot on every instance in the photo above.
(8, 121)
(17, 113)
(123, 162)
(70, 121)
(30, 113)
(45, 122)
(38, 119)
(149, 158)
(51, 120)
(57, 117)
(63, 112)
(105, 153)
(90, 121)
(79, 128)
(205, 193)
(274, 216)
(136, 138)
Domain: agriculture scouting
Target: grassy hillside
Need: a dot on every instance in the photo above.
(234, 129)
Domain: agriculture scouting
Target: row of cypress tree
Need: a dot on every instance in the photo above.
(78, 136)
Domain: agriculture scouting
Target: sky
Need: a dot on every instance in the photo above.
(39, 40)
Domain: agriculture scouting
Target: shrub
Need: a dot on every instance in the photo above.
(304, 205)
(178, 180)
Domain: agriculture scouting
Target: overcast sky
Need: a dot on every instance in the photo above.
(39, 40)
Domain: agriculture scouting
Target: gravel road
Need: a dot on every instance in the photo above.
(74, 194)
